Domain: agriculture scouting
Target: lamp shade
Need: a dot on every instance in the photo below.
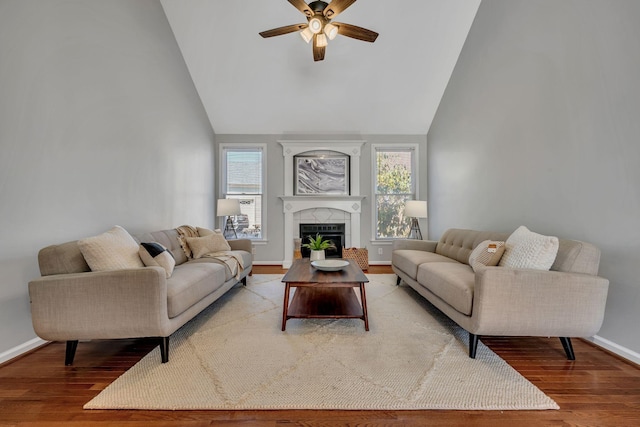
(415, 209)
(227, 207)
(331, 31)
(306, 34)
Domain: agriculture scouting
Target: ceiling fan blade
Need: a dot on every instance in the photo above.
(356, 32)
(303, 7)
(336, 7)
(318, 51)
(283, 30)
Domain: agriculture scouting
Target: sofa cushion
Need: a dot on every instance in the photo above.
(452, 282)
(487, 253)
(206, 232)
(154, 255)
(526, 249)
(575, 256)
(408, 260)
(245, 256)
(190, 283)
(112, 250)
(64, 258)
(201, 246)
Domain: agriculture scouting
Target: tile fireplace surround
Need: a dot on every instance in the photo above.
(320, 209)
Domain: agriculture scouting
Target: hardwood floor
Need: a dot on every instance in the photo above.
(598, 389)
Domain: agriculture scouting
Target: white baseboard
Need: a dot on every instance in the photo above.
(21, 349)
(615, 348)
(267, 262)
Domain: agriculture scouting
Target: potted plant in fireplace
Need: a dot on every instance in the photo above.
(317, 246)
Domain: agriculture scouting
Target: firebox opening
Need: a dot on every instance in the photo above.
(333, 232)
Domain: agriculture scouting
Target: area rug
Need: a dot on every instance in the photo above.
(234, 356)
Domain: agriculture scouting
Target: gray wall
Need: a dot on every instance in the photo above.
(273, 250)
(100, 124)
(539, 126)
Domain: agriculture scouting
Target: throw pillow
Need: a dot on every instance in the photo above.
(201, 246)
(154, 254)
(206, 232)
(113, 250)
(526, 249)
(487, 253)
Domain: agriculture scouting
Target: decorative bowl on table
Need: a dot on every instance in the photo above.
(330, 264)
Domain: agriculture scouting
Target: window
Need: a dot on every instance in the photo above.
(243, 177)
(395, 181)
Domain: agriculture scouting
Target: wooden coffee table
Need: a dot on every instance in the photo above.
(324, 294)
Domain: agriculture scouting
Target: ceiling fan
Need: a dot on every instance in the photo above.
(319, 27)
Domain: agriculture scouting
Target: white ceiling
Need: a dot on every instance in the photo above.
(251, 85)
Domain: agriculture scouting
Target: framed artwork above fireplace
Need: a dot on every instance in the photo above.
(321, 174)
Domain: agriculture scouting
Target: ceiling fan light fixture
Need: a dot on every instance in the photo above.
(306, 34)
(321, 40)
(331, 31)
(315, 24)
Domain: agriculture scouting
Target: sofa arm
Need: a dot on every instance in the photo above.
(241, 245)
(100, 305)
(413, 244)
(524, 302)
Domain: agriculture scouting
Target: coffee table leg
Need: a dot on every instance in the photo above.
(285, 306)
(363, 296)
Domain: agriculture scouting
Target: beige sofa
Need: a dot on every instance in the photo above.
(567, 301)
(70, 302)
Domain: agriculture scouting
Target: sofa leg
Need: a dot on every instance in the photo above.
(568, 347)
(70, 353)
(473, 345)
(398, 280)
(244, 281)
(164, 349)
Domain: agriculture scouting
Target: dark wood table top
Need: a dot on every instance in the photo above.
(302, 271)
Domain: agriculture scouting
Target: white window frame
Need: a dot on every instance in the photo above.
(223, 180)
(415, 167)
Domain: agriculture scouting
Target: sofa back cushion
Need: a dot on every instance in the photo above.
(168, 239)
(65, 258)
(577, 257)
(457, 243)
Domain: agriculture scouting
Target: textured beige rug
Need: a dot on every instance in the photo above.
(234, 356)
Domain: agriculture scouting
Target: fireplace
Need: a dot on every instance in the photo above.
(333, 232)
(321, 209)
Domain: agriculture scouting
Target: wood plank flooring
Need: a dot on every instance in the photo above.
(598, 389)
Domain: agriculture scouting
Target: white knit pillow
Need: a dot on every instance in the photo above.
(113, 250)
(526, 249)
(487, 253)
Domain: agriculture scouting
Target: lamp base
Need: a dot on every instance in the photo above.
(414, 231)
(229, 230)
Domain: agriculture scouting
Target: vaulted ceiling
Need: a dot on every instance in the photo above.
(251, 85)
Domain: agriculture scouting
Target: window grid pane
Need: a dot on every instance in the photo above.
(243, 181)
(394, 185)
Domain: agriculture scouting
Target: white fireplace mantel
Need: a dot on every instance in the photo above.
(292, 204)
(349, 203)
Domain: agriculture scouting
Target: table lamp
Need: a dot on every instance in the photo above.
(228, 208)
(415, 209)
